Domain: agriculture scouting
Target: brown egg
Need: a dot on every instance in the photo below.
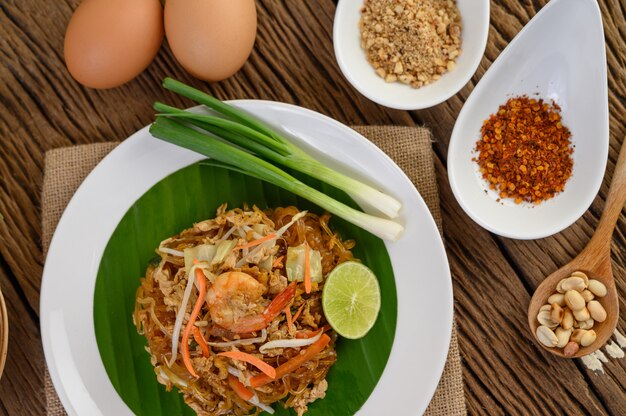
(109, 42)
(211, 39)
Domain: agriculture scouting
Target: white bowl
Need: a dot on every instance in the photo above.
(560, 55)
(360, 73)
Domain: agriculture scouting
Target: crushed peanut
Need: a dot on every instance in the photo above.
(411, 41)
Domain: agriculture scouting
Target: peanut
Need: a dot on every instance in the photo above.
(570, 349)
(573, 283)
(588, 324)
(582, 314)
(577, 335)
(556, 313)
(568, 319)
(546, 336)
(587, 295)
(583, 276)
(596, 310)
(557, 298)
(597, 288)
(562, 335)
(588, 338)
(575, 301)
(544, 319)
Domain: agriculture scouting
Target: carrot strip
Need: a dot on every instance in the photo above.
(311, 334)
(294, 363)
(201, 342)
(190, 325)
(307, 334)
(298, 312)
(257, 242)
(278, 262)
(248, 358)
(239, 388)
(307, 269)
(288, 315)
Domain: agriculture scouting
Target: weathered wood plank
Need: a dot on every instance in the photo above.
(293, 61)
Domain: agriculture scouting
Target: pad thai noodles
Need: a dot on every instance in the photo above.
(232, 310)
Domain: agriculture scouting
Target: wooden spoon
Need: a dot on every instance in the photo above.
(595, 261)
(4, 333)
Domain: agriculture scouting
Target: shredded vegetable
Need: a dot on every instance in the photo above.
(197, 336)
(179, 320)
(251, 359)
(289, 319)
(255, 401)
(201, 281)
(238, 342)
(298, 312)
(238, 387)
(257, 242)
(290, 343)
(307, 269)
(294, 363)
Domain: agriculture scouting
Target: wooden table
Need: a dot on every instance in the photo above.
(41, 108)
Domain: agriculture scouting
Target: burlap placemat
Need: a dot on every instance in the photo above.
(410, 147)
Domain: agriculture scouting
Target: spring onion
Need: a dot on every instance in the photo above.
(234, 158)
(246, 131)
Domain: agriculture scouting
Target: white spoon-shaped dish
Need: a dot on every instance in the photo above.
(559, 55)
(360, 73)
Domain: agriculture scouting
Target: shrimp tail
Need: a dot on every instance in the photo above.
(260, 321)
(249, 324)
(280, 302)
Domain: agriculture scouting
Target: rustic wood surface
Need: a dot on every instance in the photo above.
(42, 108)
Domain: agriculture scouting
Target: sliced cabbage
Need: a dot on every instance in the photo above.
(295, 264)
(267, 263)
(211, 253)
(224, 248)
(201, 252)
(260, 229)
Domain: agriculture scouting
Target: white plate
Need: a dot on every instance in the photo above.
(360, 73)
(560, 55)
(420, 265)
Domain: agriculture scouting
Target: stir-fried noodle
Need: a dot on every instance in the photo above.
(239, 260)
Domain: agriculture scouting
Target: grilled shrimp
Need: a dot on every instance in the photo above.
(235, 299)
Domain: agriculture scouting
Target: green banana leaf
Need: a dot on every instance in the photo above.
(190, 195)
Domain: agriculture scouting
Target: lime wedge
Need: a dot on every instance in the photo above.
(351, 299)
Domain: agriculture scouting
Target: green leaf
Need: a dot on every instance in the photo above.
(190, 195)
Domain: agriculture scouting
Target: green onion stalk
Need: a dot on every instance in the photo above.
(233, 157)
(247, 132)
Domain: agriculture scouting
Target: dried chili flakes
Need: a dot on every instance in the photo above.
(525, 152)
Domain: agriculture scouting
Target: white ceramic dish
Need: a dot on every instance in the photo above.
(359, 72)
(418, 258)
(560, 55)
